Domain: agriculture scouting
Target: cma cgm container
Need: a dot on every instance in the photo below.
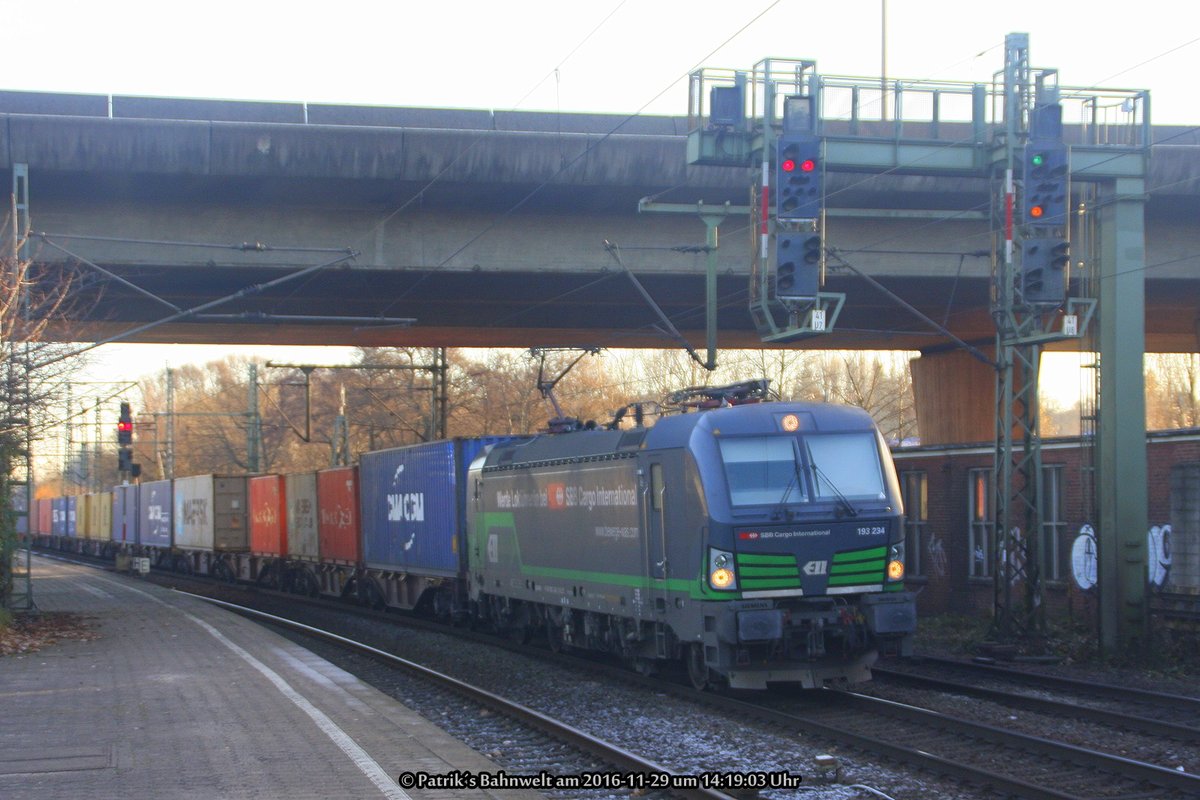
(210, 513)
(154, 512)
(413, 502)
(268, 515)
(337, 512)
(125, 514)
(301, 492)
(58, 516)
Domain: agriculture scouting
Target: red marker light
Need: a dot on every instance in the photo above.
(788, 165)
(125, 426)
(808, 165)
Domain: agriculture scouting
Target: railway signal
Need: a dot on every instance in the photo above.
(1046, 183)
(799, 177)
(125, 426)
(1044, 269)
(797, 265)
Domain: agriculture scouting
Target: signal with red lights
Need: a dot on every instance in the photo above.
(125, 426)
(799, 179)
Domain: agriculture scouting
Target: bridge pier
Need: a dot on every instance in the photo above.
(955, 396)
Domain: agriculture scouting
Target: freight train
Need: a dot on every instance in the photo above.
(750, 544)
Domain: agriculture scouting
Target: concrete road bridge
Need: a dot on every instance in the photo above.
(481, 228)
(489, 228)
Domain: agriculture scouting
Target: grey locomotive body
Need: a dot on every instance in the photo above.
(756, 543)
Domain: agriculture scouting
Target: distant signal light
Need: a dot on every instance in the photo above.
(1036, 212)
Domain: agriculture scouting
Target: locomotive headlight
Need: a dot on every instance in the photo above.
(895, 567)
(721, 573)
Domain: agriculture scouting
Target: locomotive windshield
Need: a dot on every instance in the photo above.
(848, 463)
(762, 470)
(767, 470)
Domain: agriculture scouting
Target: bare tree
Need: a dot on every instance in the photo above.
(1172, 391)
(32, 373)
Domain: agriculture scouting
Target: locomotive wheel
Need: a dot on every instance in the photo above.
(696, 668)
(519, 634)
(554, 636)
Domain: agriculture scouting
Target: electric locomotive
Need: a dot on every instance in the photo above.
(756, 543)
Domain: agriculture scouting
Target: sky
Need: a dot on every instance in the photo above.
(617, 56)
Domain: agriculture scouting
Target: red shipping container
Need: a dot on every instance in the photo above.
(268, 515)
(338, 520)
(44, 516)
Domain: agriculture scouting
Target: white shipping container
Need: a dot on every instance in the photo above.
(302, 515)
(193, 517)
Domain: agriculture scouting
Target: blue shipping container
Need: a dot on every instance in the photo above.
(125, 514)
(58, 516)
(72, 515)
(413, 502)
(154, 514)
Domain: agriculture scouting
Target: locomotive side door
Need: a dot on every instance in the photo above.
(655, 505)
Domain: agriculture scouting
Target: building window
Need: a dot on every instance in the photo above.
(915, 486)
(1055, 549)
(981, 544)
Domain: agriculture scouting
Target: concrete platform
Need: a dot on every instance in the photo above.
(179, 699)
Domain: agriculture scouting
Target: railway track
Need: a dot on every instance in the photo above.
(982, 755)
(1042, 705)
(987, 757)
(1156, 713)
(629, 770)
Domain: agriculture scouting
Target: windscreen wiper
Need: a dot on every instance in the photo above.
(781, 510)
(850, 509)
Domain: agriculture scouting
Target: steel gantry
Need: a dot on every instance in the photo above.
(1032, 139)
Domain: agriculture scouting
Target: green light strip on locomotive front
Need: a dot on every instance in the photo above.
(852, 556)
(766, 559)
(768, 572)
(856, 567)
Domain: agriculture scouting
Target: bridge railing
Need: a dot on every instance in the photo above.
(744, 103)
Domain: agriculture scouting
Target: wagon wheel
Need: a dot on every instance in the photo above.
(373, 595)
(697, 669)
(222, 571)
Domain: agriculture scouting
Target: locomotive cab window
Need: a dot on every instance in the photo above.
(762, 470)
(846, 463)
(656, 487)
